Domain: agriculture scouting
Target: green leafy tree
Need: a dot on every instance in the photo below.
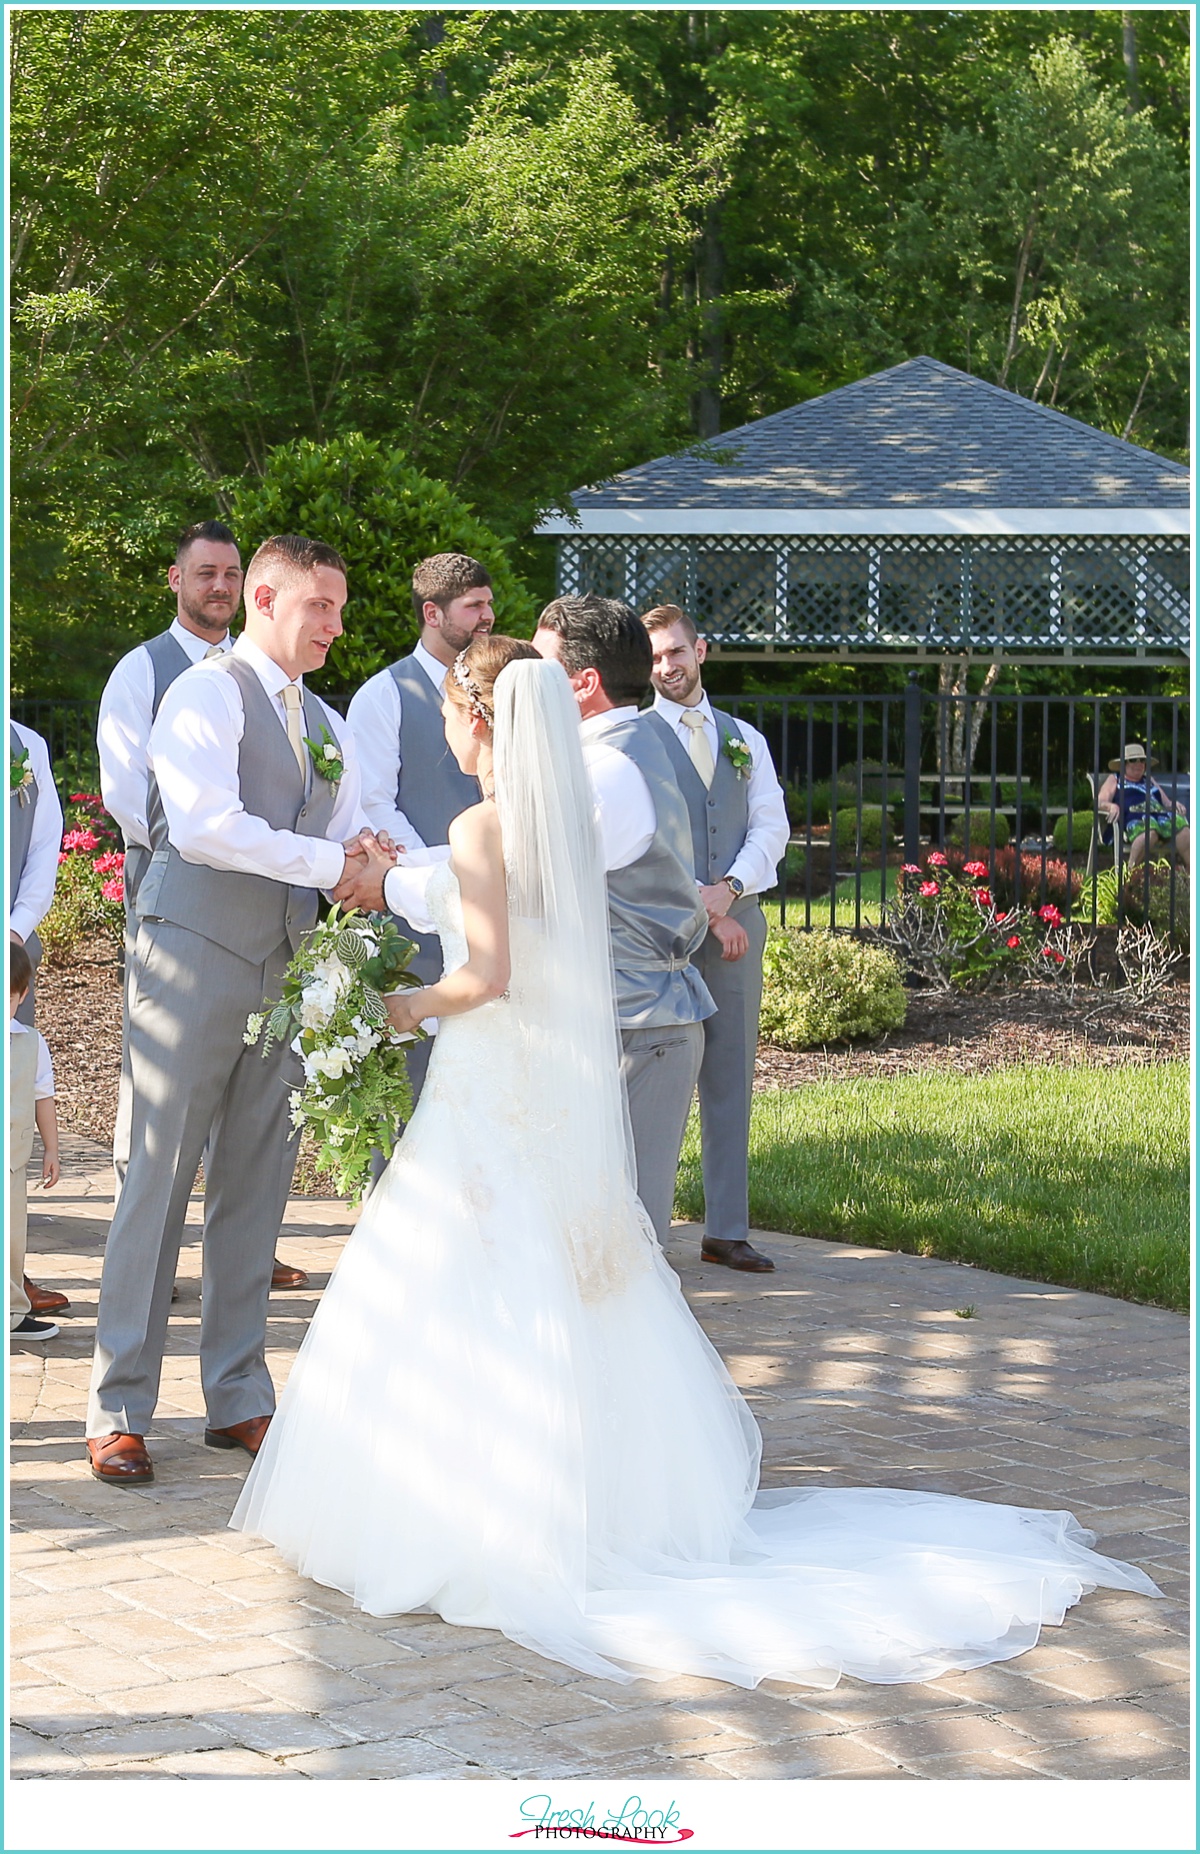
(382, 516)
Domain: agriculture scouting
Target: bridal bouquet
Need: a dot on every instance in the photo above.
(333, 1015)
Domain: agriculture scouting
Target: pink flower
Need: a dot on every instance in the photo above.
(1050, 915)
(936, 860)
(85, 798)
(63, 857)
(1051, 952)
(111, 863)
(975, 869)
(910, 869)
(114, 890)
(1013, 940)
(929, 888)
(81, 840)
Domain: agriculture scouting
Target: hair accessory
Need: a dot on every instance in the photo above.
(470, 688)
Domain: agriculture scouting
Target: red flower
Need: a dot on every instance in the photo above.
(1013, 940)
(910, 869)
(936, 860)
(983, 897)
(975, 869)
(85, 798)
(1050, 915)
(63, 857)
(1051, 952)
(114, 890)
(111, 863)
(929, 888)
(81, 840)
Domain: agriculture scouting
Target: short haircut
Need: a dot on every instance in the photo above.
(291, 556)
(20, 969)
(443, 577)
(605, 635)
(204, 531)
(664, 616)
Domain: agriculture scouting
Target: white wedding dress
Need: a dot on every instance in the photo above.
(504, 1412)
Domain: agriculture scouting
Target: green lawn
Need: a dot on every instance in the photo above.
(1072, 1176)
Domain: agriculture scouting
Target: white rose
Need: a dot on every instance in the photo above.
(329, 750)
(332, 1063)
(332, 974)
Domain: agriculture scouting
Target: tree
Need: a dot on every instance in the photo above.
(382, 516)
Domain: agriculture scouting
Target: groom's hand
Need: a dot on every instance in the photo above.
(732, 936)
(362, 880)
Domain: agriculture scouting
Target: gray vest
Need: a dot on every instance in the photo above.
(249, 914)
(720, 815)
(168, 659)
(654, 914)
(432, 788)
(21, 807)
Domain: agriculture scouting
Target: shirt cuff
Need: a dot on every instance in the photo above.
(328, 863)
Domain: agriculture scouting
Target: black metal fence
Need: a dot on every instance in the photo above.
(877, 781)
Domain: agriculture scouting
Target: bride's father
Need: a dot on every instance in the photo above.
(244, 830)
(656, 918)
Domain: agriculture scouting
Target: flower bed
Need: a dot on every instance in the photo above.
(89, 895)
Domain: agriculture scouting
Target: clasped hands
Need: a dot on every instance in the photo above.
(369, 856)
(731, 936)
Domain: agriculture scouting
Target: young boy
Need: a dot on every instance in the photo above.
(30, 1107)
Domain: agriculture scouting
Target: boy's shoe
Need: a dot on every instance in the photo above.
(44, 1300)
(35, 1329)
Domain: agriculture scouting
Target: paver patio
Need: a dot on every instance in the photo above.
(150, 1641)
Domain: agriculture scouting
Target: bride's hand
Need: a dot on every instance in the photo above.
(405, 1009)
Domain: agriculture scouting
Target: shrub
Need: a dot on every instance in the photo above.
(382, 516)
(821, 987)
(866, 832)
(982, 826)
(89, 900)
(1082, 825)
(1147, 901)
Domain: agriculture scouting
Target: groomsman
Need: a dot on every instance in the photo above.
(412, 787)
(35, 828)
(206, 578)
(244, 834)
(656, 918)
(739, 830)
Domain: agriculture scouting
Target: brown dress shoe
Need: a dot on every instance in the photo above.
(284, 1277)
(44, 1300)
(120, 1459)
(737, 1255)
(247, 1435)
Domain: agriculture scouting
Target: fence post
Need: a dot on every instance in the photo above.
(912, 769)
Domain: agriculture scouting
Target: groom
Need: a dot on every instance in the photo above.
(656, 918)
(243, 833)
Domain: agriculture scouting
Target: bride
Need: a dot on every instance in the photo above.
(504, 1411)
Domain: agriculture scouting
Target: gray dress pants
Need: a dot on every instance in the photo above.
(660, 1066)
(192, 1074)
(727, 1076)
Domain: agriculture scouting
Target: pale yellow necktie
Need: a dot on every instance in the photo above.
(214, 650)
(698, 748)
(291, 702)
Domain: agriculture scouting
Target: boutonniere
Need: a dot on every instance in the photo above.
(20, 774)
(326, 756)
(738, 754)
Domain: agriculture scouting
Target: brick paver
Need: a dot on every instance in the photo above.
(151, 1641)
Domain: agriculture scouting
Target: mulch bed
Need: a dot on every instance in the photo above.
(79, 1013)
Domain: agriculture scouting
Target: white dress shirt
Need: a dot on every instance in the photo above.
(35, 887)
(194, 756)
(43, 1080)
(374, 717)
(767, 827)
(625, 815)
(123, 732)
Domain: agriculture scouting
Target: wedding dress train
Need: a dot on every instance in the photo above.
(524, 1429)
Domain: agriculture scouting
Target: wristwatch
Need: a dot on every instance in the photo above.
(737, 889)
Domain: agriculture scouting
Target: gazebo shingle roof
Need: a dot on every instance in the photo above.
(918, 436)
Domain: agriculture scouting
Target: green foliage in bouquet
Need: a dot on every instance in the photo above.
(334, 1016)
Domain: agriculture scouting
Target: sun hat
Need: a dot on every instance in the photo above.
(1134, 750)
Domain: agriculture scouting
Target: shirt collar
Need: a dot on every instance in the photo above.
(273, 679)
(194, 647)
(674, 711)
(596, 724)
(436, 672)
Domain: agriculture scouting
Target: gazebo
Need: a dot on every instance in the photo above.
(915, 512)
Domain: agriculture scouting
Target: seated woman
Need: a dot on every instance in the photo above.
(1141, 807)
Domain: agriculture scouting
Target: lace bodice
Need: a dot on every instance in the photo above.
(445, 905)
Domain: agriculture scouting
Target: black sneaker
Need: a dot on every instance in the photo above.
(35, 1329)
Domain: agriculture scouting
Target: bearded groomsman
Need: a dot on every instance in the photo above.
(244, 831)
(206, 578)
(412, 787)
(739, 833)
(656, 920)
